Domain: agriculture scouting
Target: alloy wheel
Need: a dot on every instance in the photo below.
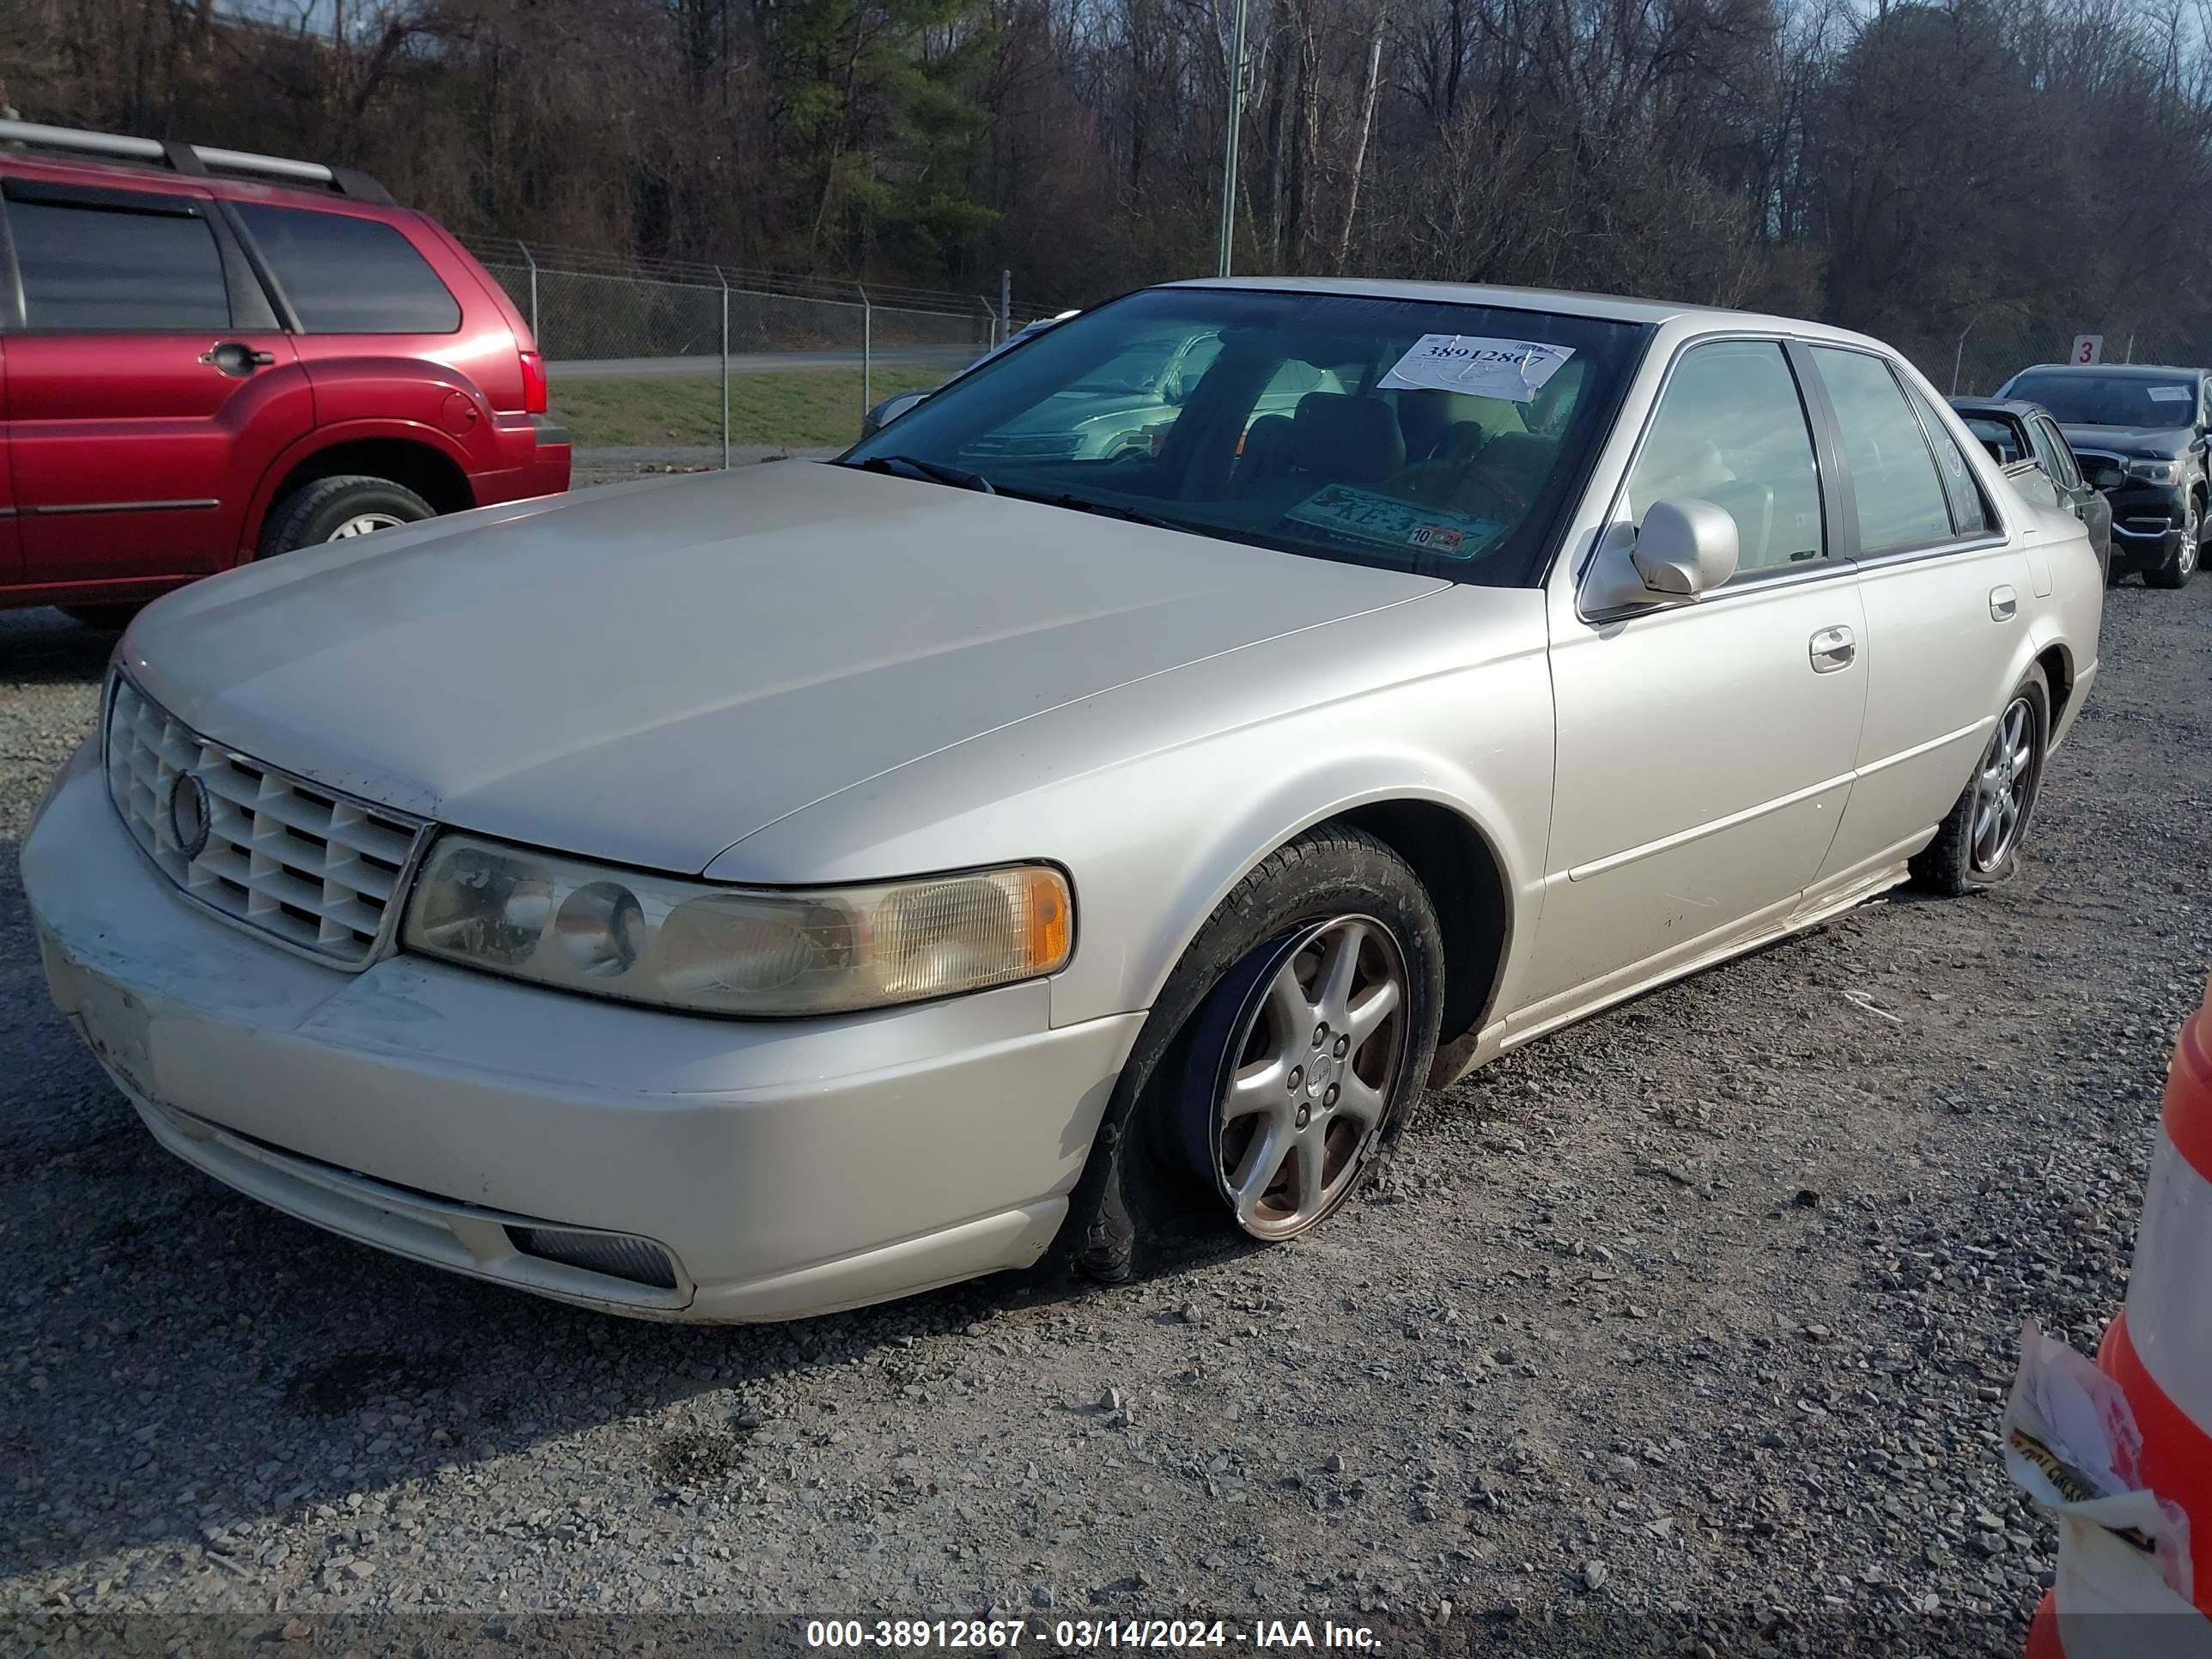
(2004, 788)
(1317, 1058)
(364, 524)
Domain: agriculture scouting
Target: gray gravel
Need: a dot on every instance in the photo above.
(1707, 1305)
(618, 464)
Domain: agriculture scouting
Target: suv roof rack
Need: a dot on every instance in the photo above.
(197, 159)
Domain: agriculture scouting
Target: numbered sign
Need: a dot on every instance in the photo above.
(2088, 348)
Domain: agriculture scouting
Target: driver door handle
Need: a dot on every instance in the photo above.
(1832, 649)
(235, 358)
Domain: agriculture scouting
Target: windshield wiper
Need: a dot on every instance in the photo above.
(1104, 509)
(934, 472)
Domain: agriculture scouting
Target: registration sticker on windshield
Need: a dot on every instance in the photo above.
(2169, 394)
(1515, 370)
(1386, 520)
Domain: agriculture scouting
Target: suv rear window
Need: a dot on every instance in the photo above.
(349, 275)
(96, 268)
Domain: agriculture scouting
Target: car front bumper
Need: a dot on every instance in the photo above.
(2146, 525)
(786, 1168)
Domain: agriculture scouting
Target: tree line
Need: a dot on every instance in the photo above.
(1919, 171)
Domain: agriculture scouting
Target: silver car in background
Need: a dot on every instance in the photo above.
(759, 894)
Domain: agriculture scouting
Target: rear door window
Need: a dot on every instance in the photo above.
(1902, 501)
(1970, 513)
(349, 275)
(2062, 455)
(109, 269)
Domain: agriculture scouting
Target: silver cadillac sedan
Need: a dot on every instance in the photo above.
(755, 894)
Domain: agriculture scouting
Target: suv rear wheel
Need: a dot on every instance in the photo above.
(338, 510)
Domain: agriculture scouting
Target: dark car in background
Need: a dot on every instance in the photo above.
(2023, 440)
(209, 357)
(2140, 433)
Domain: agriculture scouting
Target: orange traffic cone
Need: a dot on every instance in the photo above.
(2159, 1350)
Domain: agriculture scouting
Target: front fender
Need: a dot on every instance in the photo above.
(1193, 887)
(1154, 841)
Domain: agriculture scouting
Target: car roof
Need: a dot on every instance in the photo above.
(2020, 406)
(1605, 307)
(56, 167)
(2140, 371)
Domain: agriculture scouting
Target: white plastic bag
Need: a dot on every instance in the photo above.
(2071, 1444)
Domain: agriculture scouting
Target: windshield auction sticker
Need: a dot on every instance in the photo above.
(1515, 370)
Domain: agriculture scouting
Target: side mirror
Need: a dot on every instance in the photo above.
(889, 411)
(2104, 476)
(1683, 550)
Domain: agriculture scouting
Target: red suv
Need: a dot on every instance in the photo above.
(207, 356)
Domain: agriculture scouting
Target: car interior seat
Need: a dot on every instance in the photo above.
(1351, 439)
(1266, 453)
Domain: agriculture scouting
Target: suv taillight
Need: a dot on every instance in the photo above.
(534, 398)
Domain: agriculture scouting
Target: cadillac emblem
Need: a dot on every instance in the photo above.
(189, 817)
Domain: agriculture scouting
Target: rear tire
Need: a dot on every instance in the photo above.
(1978, 844)
(1154, 1189)
(338, 508)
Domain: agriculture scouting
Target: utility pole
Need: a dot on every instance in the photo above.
(1235, 121)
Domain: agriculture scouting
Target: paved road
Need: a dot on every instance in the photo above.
(754, 362)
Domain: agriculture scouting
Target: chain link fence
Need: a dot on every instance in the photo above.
(670, 365)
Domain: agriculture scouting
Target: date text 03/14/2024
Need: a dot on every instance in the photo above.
(1081, 1635)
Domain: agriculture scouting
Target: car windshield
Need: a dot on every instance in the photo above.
(1436, 438)
(2079, 400)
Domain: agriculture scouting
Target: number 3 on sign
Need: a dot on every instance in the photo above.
(2088, 349)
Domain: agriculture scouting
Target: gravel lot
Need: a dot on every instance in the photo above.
(1694, 1321)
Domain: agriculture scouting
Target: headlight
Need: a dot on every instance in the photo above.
(2154, 471)
(759, 952)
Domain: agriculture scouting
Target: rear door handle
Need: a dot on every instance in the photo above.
(1832, 649)
(235, 358)
(2005, 604)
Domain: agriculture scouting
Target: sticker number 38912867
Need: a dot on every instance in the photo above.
(1515, 370)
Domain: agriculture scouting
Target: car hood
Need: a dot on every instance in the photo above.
(2163, 443)
(650, 673)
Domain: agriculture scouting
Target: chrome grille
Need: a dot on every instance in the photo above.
(1039, 445)
(318, 870)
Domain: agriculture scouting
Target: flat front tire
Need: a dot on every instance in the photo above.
(1278, 1063)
